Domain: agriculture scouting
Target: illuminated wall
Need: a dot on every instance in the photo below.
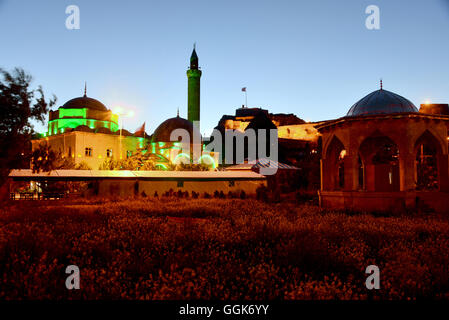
(64, 119)
(73, 145)
(172, 152)
(306, 131)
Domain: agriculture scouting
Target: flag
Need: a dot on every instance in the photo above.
(244, 89)
(140, 130)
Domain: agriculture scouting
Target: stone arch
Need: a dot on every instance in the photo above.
(327, 143)
(209, 160)
(427, 151)
(430, 132)
(379, 155)
(333, 175)
(182, 158)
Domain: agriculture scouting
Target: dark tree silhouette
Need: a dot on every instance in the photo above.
(19, 105)
(43, 158)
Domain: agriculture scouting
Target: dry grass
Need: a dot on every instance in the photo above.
(224, 249)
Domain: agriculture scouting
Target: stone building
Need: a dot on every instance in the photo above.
(85, 130)
(386, 155)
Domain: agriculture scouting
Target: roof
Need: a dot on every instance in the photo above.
(435, 108)
(261, 121)
(27, 174)
(397, 116)
(164, 130)
(381, 102)
(85, 102)
(261, 163)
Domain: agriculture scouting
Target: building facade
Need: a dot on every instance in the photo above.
(385, 155)
(85, 130)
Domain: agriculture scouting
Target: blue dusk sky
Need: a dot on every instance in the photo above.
(311, 58)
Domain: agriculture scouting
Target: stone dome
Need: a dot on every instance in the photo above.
(381, 102)
(124, 133)
(85, 102)
(163, 132)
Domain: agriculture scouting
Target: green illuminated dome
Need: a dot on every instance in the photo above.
(85, 102)
(163, 132)
(81, 113)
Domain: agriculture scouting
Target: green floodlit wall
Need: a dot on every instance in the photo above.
(72, 123)
(66, 113)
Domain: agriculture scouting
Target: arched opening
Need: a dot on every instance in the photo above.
(427, 149)
(207, 160)
(379, 156)
(335, 173)
(182, 158)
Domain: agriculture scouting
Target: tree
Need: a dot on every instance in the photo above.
(141, 160)
(43, 158)
(82, 166)
(19, 106)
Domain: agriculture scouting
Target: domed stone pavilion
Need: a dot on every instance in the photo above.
(386, 155)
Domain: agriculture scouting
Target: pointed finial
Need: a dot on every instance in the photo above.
(194, 45)
(177, 113)
(381, 84)
(85, 88)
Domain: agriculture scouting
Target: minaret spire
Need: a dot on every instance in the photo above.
(193, 89)
(177, 113)
(85, 88)
(194, 59)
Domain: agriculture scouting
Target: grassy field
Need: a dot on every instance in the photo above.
(173, 248)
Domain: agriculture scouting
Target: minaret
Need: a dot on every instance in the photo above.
(193, 91)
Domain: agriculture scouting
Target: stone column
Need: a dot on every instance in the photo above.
(321, 175)
(443, 175)
(407, 169)
(351, 172)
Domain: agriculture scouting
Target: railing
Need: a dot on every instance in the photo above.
(37, 195)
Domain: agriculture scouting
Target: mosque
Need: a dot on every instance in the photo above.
(384, 154)
(85, 130)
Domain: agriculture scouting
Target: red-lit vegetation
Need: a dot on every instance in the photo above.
(172, 248)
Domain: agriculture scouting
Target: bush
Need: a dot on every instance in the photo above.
(216, 249)
(262, 193)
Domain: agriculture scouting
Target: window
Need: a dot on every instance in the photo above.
(129, 153)
(231, 183)
(88, 152)
(180, 184)
(109, 153)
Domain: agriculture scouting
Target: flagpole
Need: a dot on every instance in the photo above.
(246, 99)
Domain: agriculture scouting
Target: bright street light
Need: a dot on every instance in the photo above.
(121, 114)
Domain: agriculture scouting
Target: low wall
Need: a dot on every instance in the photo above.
(116, 187)
(385, 201)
